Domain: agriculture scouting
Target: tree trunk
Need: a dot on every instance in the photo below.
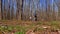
(0, 9)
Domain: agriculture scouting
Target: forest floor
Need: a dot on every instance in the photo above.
(29, 27)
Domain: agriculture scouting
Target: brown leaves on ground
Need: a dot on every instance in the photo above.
(1, 32)
(30, 32)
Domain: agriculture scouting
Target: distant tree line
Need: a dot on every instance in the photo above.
(36, 10)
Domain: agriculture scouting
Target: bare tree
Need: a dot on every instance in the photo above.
(0, 9)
